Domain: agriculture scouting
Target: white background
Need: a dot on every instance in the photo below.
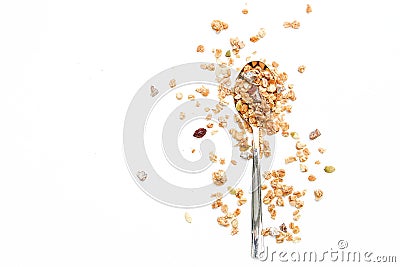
(69, 69)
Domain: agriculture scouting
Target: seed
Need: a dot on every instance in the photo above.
(228, 53)
(234, 162)
(231, 190)
(172, 83)
(199, 133)
(200, 48)
(234, 223)
(318, 194)
(179, 96)
(188, 218)
(312, 178)
(295, 135)
(329, 169)
(191, 97)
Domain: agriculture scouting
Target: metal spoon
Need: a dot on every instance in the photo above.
(246, 81)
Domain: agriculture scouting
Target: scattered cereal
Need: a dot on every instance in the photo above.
(153, 91)
(317, 162)
(308, 9)
(182, 116)
(245, 11)
(141, 175)
(172, 83)
(179, 96)
(218, 26)
(200, 48)
(197, 104)
(321, 150)
(303, 168)
(301, 68)
(318, 194)
(210, 125)
(234, 162)
(219, 177)
(213, 158)
(204, 91)
(290, 159)
(294, 25)
(222, 161)
(191, 97)
(312, 178)
(314, 134)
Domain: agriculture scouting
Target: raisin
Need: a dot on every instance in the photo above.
(199, 133)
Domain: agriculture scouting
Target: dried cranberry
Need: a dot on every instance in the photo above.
(199, 133)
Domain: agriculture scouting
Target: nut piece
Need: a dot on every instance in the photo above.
(188, 218)
(308, 9)
(200, 48)
(318, 194)
(141, 175)
(219, 177)
(294, 25)
(300, 145)
(218, 26)
(303, 168)
(314, 134)
(179, 96)
(172, 83)
(329, 169)
(153, 91)
(301, 68)
(312, 178)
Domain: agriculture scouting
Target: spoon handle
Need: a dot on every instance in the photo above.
(257, 246)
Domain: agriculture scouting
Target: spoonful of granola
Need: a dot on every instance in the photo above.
(260, 100)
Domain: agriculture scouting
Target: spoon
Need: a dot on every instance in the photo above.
(248, 99)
